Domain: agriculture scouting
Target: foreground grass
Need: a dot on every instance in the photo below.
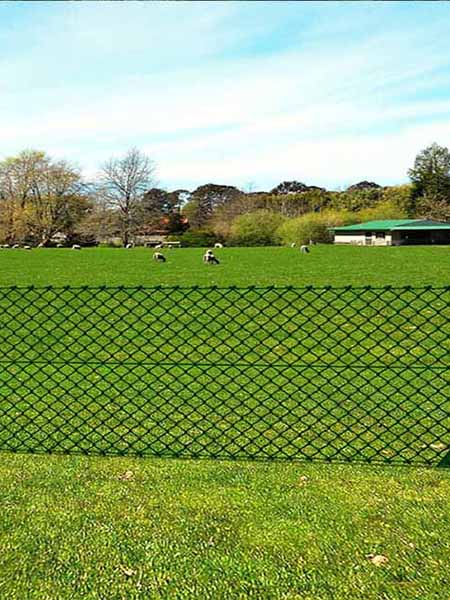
(123, 528)
(325, 265)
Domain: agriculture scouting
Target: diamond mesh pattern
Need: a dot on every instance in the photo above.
(327, 373)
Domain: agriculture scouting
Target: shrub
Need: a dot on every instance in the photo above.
(400, 196)
(383, 210)
(257, 228)
(314, 226)
(196, 238)
(303, 229)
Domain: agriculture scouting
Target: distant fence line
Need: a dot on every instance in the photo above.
(315, 373)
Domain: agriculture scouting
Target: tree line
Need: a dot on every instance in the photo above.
(41, 197)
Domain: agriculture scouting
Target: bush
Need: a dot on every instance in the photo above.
(303, 229)
(258, 228)
(196, 238)
(83, 239)
(400, 196)
(314, 226)
(383, 210)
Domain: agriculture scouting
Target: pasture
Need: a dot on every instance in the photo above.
(122, 527)
(325, 265)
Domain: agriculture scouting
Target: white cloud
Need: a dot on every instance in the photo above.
(320, 111)
(331, 162)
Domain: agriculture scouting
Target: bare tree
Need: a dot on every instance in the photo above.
(123, 181)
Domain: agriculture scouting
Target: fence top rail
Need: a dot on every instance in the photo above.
(400, 288)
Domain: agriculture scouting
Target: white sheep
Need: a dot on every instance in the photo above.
(293, 245)
(159, 257)
(209, 258)
(27, 247)
(16, 246)
(158, 246)
(304, 249)
(218, 245)
(128, 246)
(205, 256)
(76, 247)
(60, 245)
(41, 245)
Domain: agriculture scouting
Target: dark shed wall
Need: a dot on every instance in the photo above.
(421, 237)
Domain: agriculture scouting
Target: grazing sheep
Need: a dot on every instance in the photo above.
(41, 245)
(159, 257)
(158, 246)
(218, 245)
(4, 246)
(128, 246)
(205, 256)
(293, 245)
(76, 247)
(60, 245)
(27, 247)
(210, 259)
(304, 249)
(16, 246)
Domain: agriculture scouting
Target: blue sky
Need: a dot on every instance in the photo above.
(242, 93)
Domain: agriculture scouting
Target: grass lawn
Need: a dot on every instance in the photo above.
(325, 265)
(128, 528)
(78, 527)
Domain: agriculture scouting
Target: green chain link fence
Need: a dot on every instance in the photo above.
(349, 374)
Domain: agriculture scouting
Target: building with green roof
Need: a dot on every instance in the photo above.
(393, 232)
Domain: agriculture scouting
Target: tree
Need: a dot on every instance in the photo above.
(39, 196)
(431, 173)
(100, 222)
(205, 200)
(433, 207)
(363, 185)
(357, 198)
(296, 204)
(258, 228)
(161, 210)
(226, 213)
(123, 183)
(294, 187)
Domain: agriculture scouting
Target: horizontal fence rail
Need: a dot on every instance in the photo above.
(349, 374)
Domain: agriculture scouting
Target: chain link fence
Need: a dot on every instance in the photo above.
(349, 374)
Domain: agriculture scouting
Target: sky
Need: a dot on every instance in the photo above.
(239, 93)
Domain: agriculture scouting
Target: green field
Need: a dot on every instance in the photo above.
(325, 265)
(75, 527)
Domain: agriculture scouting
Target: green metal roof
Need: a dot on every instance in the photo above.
(394, 224)
(425, 227)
